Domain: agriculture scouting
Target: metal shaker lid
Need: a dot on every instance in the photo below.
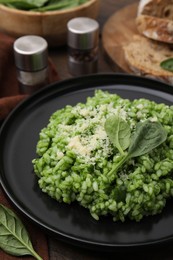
(30, 53)
(83, 33)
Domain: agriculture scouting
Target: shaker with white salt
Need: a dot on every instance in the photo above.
(31, 59)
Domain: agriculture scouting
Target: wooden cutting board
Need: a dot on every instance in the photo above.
(117, 32)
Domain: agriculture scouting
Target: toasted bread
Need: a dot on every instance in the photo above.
(144, 56)
(155, 19)
(155, 28)
(158, 8)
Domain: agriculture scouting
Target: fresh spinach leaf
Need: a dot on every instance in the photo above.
(148, 135)
(14, 238)
(42, 5)
(25, 4)
(167, 64)
(59, 5)
(118, 131)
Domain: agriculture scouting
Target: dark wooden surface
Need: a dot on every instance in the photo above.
(117, 33)
(59, 250)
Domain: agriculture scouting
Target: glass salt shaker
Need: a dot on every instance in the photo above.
(83, 38)
(31, 59)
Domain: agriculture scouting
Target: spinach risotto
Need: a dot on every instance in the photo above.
(111, 155)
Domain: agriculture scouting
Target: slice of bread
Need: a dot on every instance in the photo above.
(144, 56)
(158, 8)
(155, 28)
(155, 19)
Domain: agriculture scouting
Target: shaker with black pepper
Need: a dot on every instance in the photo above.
(83, 38)
(31, 59)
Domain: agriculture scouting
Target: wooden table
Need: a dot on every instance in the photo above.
(60, 250)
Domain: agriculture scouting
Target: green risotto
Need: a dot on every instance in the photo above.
(82, 145)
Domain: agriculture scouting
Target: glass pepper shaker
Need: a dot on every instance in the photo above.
(83, 38)
(31, 59)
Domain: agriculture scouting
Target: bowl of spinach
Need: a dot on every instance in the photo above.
(46, 18)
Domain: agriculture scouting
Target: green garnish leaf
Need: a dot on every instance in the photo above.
(167, 64)
(14, 238)
(118, 131)
(148, 135)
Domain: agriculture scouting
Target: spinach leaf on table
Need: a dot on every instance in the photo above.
(14, 238)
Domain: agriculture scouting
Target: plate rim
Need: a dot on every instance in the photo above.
(158, 86)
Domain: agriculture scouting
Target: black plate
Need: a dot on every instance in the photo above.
(72, 223)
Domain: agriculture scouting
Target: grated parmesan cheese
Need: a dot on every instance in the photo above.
(59, 155)
(76, 145)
